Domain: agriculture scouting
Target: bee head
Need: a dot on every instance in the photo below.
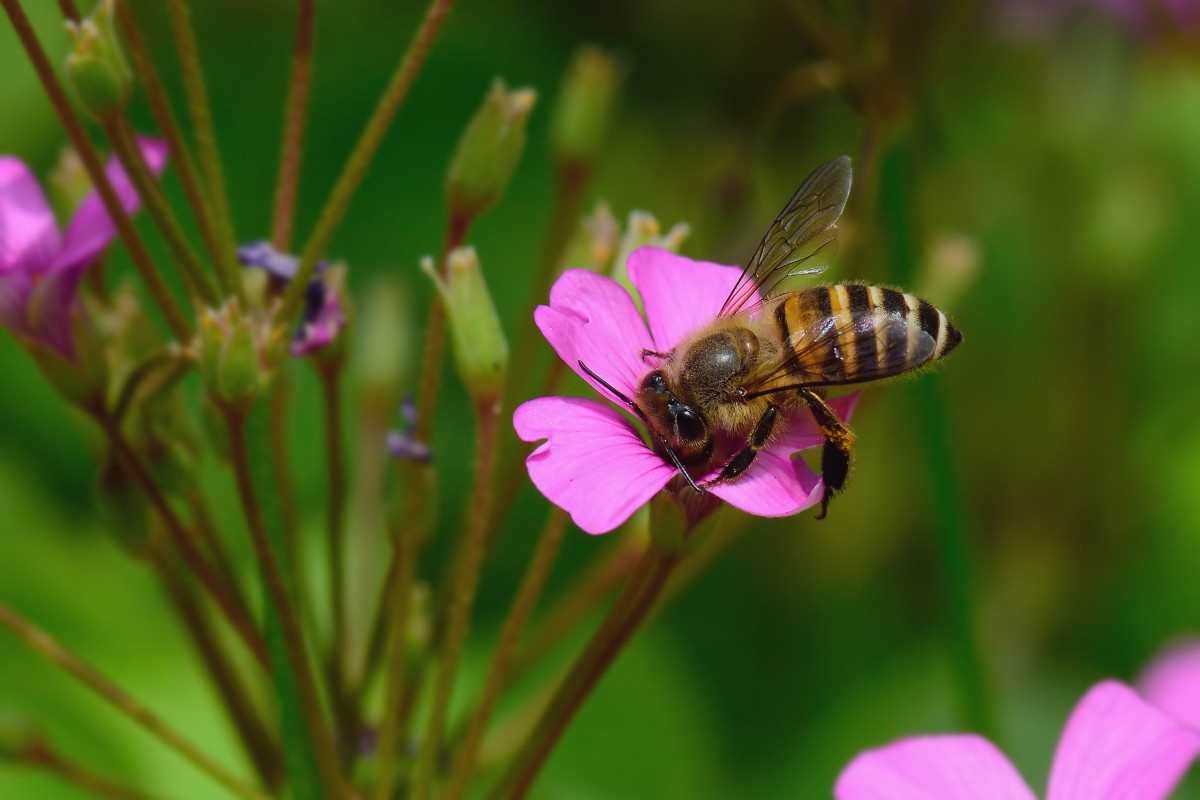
(680, 424)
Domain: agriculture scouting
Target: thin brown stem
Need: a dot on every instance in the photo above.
(360, 159)
(41, 755)
(236, 614)
(293, 128)
(44, 644)
(623, 620)
(510, 634)
(275, 582)
(285, 488)
(206, 145)
(461, 598)
(68, 10)
(180, 327)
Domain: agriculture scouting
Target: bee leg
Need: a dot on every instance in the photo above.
(654, 353)
(835, 456)
(742, 460)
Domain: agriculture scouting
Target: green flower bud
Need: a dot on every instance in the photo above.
(643, 230)
(585, 105)
(232, 355)
(488, 151)
(69, 183)
(480, 348)
(96, 65)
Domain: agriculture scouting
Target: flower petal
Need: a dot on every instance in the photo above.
(801, 432)
(1172, 682)
(1118, 747)
(678, 294)
(591, 318)
(593, 464)
(963, 767)
(91, 229)
(28, 239)
(774, 486)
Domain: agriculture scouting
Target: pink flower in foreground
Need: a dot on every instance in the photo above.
(1115, 746)
(1172, 682)
(594, 462)
(40, 268)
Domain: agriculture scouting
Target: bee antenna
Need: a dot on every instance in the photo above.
(674, 458)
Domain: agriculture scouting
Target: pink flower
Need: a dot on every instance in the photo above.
(1172, 682)
(40, 269)
(594, 462)
(1115, 746)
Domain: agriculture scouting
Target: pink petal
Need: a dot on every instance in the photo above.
(593, 464)
(679, 295)
(28, 232)
(1118, 747)
(965, 767)
(774, 486)
(1172, 682)
(91, 229)
(593, 319)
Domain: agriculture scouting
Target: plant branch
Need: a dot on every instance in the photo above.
(293, 128)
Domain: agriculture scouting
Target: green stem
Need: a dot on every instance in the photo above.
(285, 489)
(235, 613)
(180, 327)
(225, 676)
(293, 128)
(360, 158)
(42, 756)
(124, 143)
(206, 146)
(44, 644)
(510, 634)
(462, 596)
(164, 117)
(309, 743)
(623, 620)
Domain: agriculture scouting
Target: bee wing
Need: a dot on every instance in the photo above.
(800, 241)
(880, 346)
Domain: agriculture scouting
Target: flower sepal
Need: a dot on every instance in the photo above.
(679, 518)
(83, 378)
(96, 65)
(234, 352)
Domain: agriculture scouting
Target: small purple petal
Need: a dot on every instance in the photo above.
(28, 232)
(592, 318)
(965, 767)
(1118, 747)
(91, 229)
(321, 329)
(593, 464)
(403, 447)
(679, 295)
(1172, 682)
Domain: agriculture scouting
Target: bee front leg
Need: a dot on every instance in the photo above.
(742, 460)
(835, 456)
(647, 354)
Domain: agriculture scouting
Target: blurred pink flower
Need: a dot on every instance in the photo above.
(1172, 682)
(594, 463)
(40, 269)
(1115, 746)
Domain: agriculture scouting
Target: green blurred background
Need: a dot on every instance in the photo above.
(1060, 152)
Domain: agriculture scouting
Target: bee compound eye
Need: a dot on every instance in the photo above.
(688, 424)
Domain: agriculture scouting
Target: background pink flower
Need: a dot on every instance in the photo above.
(40, 268)
(1172, 682)
(1115, 746)
(594, 462)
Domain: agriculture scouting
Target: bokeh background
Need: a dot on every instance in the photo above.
(1032, 168)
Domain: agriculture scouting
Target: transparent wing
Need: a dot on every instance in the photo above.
(818, 355)
(800, 241)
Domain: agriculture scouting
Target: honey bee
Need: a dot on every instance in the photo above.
(769, 352)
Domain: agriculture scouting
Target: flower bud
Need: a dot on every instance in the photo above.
(480, 348)
(232, 360)
(641, 231)
(594, 242)
(385, 343)
(68, 183)
(488, 151)
(585, 105)
(96, 65)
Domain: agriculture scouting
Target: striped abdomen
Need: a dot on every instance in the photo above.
(851, 333)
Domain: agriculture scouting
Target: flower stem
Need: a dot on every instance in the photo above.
(463, 584)
(623, 620)
(160, 109)
(206, 146)
(68, 10)
(360, 158)
(285, 490)
(310, 746)
(235, 613)
(42, 756)
(44, 644)
(125, 145)
(510, 634)
(293, 128)
(180, 327)
(226, 678)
